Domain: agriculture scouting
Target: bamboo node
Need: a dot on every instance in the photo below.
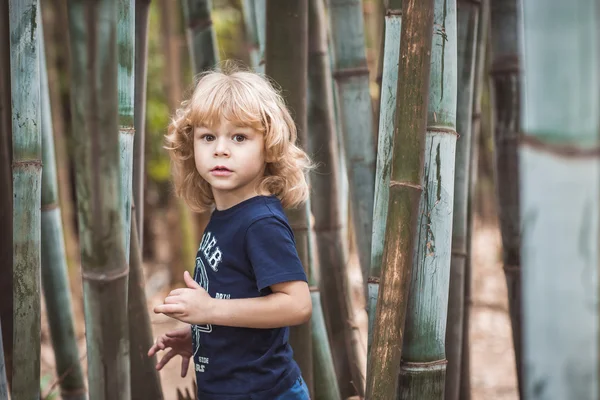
(442, 129)
(373, 279)
(559, 149)
(48, 207)
(407, 184)
(345, 73)
(395, 11)
(313, 288)
(127, 129)
(26, 163)
(423, 366)
(106, 276)
(201, 24)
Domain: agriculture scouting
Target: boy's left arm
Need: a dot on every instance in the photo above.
(289, 304)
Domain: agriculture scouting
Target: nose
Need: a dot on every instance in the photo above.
(221, 148)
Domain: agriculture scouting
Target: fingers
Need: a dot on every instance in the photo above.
(159, 344)
(172, 353)
(169, 309)
(179, 333)
(176, 292)
(185, 362)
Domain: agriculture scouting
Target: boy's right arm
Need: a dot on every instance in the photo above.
(180, 343)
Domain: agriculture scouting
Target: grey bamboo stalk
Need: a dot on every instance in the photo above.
(260, 14)
(356, 116)
(423, 366)
(385, 143)
(27, 174)
(145, 382)
(126, 88)
(251, 26)
(3, 379)
(467, 22)
(201, 35)
(506, 90)
(104, 266)
(331, 252)
(287, 22)
(404, 196)
(142, 10)
(55, 281)
(6, 207)
(478, 84)
(559, 174)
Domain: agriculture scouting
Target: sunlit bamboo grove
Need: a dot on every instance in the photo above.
(402, 105)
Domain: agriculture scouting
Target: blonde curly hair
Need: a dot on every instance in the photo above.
(246, 99)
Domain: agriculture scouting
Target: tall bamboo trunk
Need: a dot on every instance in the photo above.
(385, 143)
(6, 191)
(183, 239)
(405, 187)
(201, 36)
(3, 379)
(142, 10)
(356, 116)
(251, 28)
(423, 367)
(93, 34)
(287, 22)
(145, 382)
(331, 252)
(27, 174)
(478, 84)
(126, 88)
(467, 22)
(559, 177)
(55, 281)
(506, 90)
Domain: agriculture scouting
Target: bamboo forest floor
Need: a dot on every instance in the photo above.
(492, 358)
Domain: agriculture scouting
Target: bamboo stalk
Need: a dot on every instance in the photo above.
(404, 196)
(356, 116)
(145, 381)
(3, 379)
(126, 88)
(93, 35)
(260, 14)
(27, 174)
(423, 367)
(331, 252)
(287, 22)
(142, 10)
(478, 84)
(6, 192)
(559, 171)
(506, 90)
(55, 281)
(251, 28)
(201, 36)
(467, 22)
(385, 143)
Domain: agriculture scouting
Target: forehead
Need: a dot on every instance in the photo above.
(225, 126)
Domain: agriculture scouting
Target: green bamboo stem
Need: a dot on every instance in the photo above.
(423, 367)
(93, 35)
(385, 143)
(142, 10)
(145, 382)
(201, 36)
(478, 84)
(356, 115)
(27, 174)
(405, 189)
(467, 22)
(559, 173)
(55, 281)
(126, 88)
(6, 207)
(287, 22)
(331, 252)
(506, 82)
(251, 26)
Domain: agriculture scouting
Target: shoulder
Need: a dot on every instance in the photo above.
(269, 214)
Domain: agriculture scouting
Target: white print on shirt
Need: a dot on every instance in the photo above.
(222, 295)
(202, 279)
(211, 252)
(201, 360)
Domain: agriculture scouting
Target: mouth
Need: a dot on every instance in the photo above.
(220, 168)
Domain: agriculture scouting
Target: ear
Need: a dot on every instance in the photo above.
(191, 283)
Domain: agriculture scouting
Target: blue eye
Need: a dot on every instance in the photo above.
(239, 138)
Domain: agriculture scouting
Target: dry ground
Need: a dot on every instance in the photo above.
(492, 357)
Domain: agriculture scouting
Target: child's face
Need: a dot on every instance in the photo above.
(230, 158)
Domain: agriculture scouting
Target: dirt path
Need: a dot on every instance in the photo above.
(492, 357)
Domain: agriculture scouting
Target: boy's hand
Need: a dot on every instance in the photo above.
(192, 304)
(180, 343)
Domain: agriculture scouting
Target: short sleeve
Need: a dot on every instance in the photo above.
(272, 253)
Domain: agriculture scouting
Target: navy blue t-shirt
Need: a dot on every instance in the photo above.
(243, 251)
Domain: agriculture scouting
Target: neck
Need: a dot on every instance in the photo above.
(223, 201)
